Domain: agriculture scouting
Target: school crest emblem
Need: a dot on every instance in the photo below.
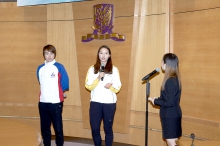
(103, 24)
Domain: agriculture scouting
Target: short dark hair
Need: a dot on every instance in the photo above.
(50, 48)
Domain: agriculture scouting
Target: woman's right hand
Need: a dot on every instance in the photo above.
(101, 74)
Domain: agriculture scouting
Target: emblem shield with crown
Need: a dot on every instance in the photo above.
(103, 24)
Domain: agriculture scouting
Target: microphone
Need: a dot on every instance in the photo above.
(102, 70)
(150, 74)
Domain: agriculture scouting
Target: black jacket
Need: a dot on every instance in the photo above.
(169, 99)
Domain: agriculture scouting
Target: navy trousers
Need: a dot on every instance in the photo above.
(99, 112)
(51, 113)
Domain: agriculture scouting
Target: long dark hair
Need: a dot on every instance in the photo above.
(172, 68)
(108, 66)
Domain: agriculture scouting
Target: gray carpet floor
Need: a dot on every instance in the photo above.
(71, 144)
(73, 141)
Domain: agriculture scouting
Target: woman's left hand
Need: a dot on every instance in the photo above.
(108, 85)
(151, 99)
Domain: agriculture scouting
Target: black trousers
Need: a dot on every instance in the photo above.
(51, 113)
(99, 112)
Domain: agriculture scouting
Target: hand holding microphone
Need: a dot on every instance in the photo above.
(102, 74)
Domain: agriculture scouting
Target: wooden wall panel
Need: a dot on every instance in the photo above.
(149, 45)
(122, 8)
(35, 13)
(149, 52)
(11, 45)
(10, 12)
(204, 129)
(192, 5)
(19, 110)
(20, 56)
(198, 34)
(61, 35)
(19, 84)
(150, 7)
(195, 39)
(59, 12)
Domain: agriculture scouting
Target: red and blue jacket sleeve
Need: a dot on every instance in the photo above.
(63, 77)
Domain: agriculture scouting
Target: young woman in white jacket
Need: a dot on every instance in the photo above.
(103, 80)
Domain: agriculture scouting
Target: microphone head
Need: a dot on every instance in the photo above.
(157, 69)
(192, 135)
(102, 69)
(102, 64)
